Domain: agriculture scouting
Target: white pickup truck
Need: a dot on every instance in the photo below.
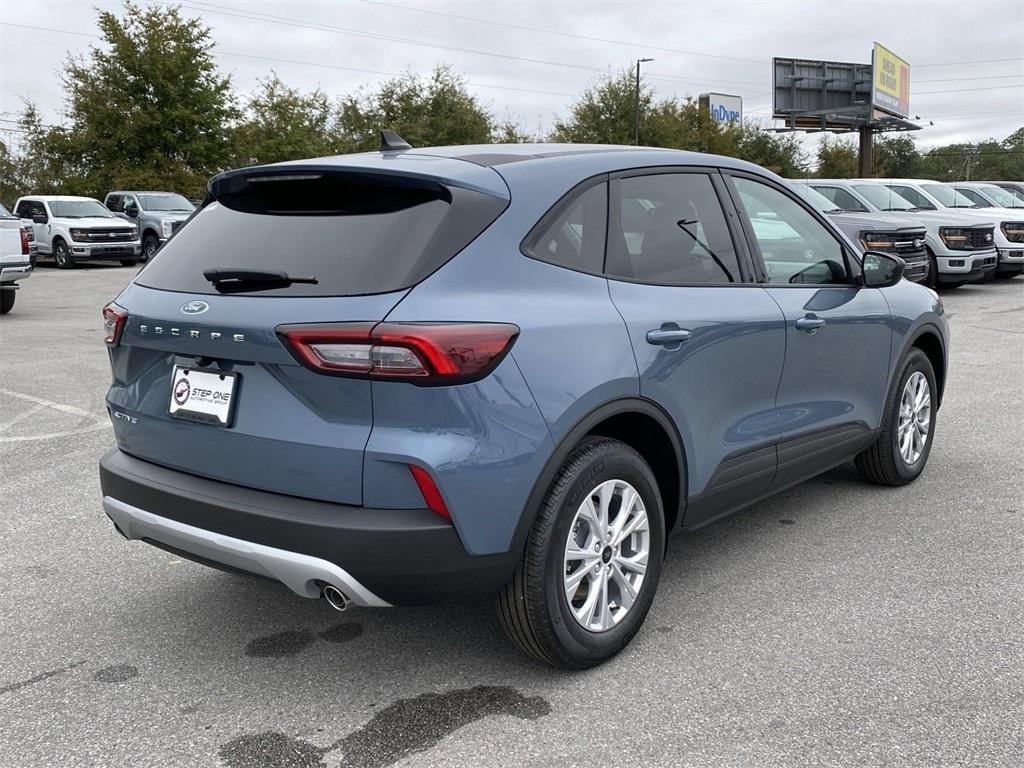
(17, 257)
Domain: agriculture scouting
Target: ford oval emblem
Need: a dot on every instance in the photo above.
(194, 307)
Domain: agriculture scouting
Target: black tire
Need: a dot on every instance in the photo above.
(62, 255)
(129, 262)
(932, 281)
(7, 297)
(882, 462)
(150, 245)
(533, 608)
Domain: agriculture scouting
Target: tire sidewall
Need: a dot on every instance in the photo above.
(150, 245)
(915, 362)
(60, 247)
(585, 646)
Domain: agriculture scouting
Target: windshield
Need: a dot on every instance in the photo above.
(4, 211)
(948, 197)
(884, 198)
(164, 201)
(815, 198)
(1001, 197)
(79, 209)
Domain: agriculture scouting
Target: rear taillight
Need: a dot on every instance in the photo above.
(24, 242)
(114, 318)
(424, 353)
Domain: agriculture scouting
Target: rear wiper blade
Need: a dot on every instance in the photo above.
(231, 279)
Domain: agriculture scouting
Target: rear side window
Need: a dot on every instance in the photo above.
(355, 233)
(670, 230)
(573, 234)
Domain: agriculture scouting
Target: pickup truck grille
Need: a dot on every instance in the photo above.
(980, 238)
(107, 236)
(909, 246)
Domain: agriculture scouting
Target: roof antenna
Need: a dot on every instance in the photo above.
(391, 141)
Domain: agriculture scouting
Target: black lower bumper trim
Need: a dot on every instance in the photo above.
(404, 556)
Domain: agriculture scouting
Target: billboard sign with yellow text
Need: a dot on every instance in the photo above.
(890, 89)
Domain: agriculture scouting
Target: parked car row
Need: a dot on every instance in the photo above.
(17, 257)
(130, 226)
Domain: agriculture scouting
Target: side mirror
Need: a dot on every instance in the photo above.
(39, 218)
(882, 270)
(131, 213)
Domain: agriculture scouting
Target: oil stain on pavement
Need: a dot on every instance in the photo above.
(397, 731)
(39, 678)
(118, 673)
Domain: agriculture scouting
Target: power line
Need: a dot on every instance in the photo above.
(508, 25)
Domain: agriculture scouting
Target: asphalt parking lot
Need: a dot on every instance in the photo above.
(837, 624)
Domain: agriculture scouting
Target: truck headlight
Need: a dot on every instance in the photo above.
(1014, 231)
(79, 235)
(166, 227)
(876, 241)
(955, 238)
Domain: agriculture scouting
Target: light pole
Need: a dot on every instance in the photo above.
(636, 104)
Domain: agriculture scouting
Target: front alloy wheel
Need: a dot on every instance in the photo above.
(915, 418)
(606, 555)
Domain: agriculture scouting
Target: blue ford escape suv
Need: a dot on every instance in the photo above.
(415, 374)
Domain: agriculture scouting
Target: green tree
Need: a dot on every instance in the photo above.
(436, 110)
(603, 114)
(281, 123)
(837, 159)
(149, 109)
(778, 152)
(895, 157)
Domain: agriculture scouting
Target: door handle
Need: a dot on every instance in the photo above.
(668, 336)
(811, 323)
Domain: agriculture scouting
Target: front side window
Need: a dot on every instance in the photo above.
(947, 196)
(886, 198)
(574, 236)
(843, 199)
(114, 202)
(914, 197)
(670, 230)
(796, 248)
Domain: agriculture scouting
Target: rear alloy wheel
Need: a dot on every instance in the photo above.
(62, 255)
(592, 560)
(901, 451)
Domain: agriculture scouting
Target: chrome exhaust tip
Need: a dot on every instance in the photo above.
(337, 599)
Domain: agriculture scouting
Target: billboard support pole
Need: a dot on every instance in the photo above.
(864, 155)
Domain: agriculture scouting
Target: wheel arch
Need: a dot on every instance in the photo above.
(644, 426)
(928, 339)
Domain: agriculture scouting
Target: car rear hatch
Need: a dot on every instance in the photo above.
(202, 381)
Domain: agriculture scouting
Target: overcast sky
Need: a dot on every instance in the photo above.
(527, 59)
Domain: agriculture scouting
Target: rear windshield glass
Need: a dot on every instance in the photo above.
(354, 236)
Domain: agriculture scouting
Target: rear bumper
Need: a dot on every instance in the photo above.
(12, 273)
(378, 557)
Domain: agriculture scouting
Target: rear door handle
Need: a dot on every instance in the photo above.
(810, 323)
(667, 336)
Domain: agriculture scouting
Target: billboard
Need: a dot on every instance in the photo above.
(812, 94)
(890, 82)
(722, 107)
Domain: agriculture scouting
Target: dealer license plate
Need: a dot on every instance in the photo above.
(203, 395)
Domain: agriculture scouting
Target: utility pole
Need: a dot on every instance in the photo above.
(636, 104)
